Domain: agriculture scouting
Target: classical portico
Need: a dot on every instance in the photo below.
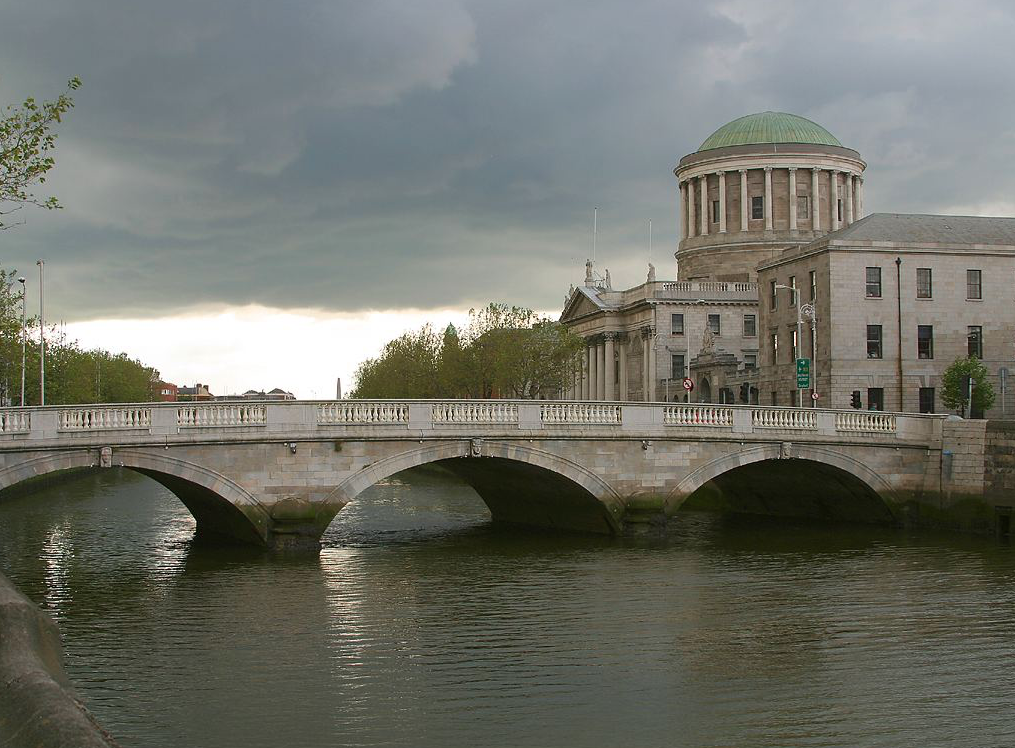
(743, 199)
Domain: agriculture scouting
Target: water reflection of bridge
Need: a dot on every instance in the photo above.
(276, 473)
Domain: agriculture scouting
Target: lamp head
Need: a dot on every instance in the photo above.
(22, 280)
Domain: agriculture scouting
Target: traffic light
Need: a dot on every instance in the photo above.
(854, 399)
(745, 392)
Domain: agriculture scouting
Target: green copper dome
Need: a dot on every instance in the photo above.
(769, 127)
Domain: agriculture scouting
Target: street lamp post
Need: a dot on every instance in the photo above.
(24, 333)
(42, 338)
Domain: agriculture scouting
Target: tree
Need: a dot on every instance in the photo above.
(955, 393)
(504, 351)
(406, 367)
(26, 142)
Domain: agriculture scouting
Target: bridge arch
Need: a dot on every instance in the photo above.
(519, 483)
(219, 504)
(795, 471)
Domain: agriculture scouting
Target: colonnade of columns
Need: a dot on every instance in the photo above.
(697, 218)
(601, 371)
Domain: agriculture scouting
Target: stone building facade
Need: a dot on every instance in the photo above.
(897, 298)
(773, 232)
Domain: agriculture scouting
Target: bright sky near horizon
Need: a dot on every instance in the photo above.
(246, 185)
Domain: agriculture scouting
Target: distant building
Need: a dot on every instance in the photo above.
(165, 392)
(196, 393)
(275, 394)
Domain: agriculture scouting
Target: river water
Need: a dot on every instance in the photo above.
(421, 624)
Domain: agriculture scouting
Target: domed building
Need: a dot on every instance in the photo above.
(759, 185)
(779, 270)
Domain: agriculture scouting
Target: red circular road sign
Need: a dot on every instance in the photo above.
(815, 396)
(688, 384)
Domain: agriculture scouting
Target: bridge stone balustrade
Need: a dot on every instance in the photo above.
(276, 473)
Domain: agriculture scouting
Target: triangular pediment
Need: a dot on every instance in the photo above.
(579, 305)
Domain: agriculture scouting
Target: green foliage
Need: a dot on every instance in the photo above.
(954, 394)
(505, 351)
(26, 142)
(73, 375)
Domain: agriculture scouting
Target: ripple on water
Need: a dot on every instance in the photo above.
(423, 624)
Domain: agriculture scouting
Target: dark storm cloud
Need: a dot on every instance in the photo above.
(354, 155)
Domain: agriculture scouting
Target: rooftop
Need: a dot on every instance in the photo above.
(915, 228)
(769, 127)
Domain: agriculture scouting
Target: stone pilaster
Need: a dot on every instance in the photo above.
(593, 364)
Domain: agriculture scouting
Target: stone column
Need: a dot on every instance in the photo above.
(847, 189)
(815, 201)
(682, 209)
(690, 208)
(622, 342)
(703, 185)
(644, 366)
(593, 363)
(792, 198)
(652, 364)
(609, 369)
(744, 207)
(833, 198)
(722, 201)
(768, 198)
(600, 371)
(859, 197)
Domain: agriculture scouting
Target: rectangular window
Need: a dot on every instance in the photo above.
(802, 208)
(926, 399)
(750, 361)
(814, 285)
(757, 207)
(924, 284)
(713, 324)
(796, 346)
(774, 295)
(750, 326)
(873, 283)
(775, 347)
(875, 398)
(677, 366)
(974, 336)
(775, 397)
(715, 211)
(792, 292)
(838, 207)
(676, 324)
(925, 341)
(974, 290)
(873, 341)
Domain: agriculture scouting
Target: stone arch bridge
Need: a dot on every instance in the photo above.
(276, 473)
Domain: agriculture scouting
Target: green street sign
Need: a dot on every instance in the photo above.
(803, 373)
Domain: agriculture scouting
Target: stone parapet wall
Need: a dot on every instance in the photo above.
(37, 707)
(963, 445)
(999, 467)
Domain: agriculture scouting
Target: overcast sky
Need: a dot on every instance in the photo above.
(336, 158)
